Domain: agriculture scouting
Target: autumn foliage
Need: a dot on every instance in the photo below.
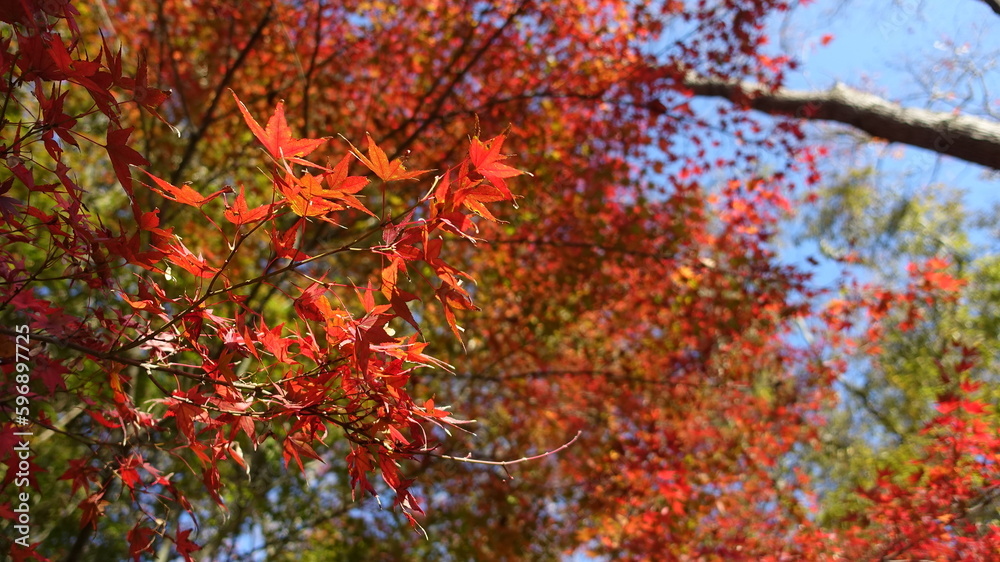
(255, 241)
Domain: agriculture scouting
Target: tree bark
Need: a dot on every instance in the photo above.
(968, 138)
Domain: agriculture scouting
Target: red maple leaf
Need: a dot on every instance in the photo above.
(343, 186)
(147, 97)
(140, 539)
(276, 136)
(240, 213)
(487, 159)
(184, 545)
(294, 447)
(179, 254)
(92, 507)
(122, 157)
(186, 408)
(20, 554)
(479, 193)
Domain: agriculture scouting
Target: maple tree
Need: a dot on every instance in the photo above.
(247, 238)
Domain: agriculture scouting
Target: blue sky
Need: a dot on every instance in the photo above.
(897, 49)
(879, 46)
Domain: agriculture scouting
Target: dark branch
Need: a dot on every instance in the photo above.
(994, 4)
(209, 116)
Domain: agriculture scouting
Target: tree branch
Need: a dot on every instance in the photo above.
(994, 5)
(227, 78)
(968, 138)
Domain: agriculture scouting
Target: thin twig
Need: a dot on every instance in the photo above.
(469, 459)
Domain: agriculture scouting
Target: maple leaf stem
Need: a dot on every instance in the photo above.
(232, 254)
(427, 196)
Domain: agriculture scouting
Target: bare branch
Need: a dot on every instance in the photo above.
(968, 138)
(469, 459)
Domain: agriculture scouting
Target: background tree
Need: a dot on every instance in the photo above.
(634, 306)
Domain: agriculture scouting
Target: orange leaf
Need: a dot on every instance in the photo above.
(308, 198)
(486, 158)
(379, 163)
(183, 194)
(240, 213)
(344, 186)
